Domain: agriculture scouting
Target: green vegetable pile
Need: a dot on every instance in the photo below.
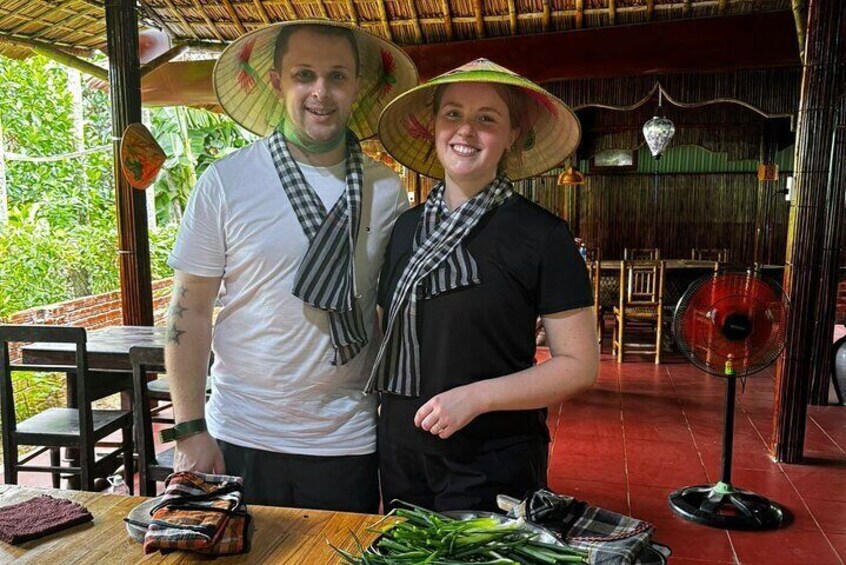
(429, 538)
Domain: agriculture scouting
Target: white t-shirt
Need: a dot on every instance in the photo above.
(274, 387)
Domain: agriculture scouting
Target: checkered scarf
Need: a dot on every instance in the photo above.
(608, 537)
(439, 262)
(326, 277)
(202, 513)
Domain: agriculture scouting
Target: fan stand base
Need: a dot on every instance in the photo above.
(723, 506)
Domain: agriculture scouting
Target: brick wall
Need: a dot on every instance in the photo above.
(90, 312)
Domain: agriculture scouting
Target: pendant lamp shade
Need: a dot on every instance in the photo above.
(658, 133)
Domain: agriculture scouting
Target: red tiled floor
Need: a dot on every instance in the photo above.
(599, 493)
(784, 547)
(839, 543)
(830, 514)
(692, 541)
(667, 464)
(822, 481)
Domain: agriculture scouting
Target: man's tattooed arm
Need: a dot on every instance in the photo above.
(177, 310)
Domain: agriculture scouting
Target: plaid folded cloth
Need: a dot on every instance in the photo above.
(39, 517)
(202, 513)
(609, 537)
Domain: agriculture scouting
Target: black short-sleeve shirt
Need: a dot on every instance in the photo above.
(529, 265)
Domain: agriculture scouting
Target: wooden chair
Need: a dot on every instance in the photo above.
(152, 466)
(719, 255)
(640, 307)
(641, 254)
(78, 427)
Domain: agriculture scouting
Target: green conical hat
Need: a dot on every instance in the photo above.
(243, 88)
(406, 127)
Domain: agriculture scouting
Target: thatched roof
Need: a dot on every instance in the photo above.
(77, 26)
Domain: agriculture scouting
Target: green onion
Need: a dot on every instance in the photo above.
(429, 538)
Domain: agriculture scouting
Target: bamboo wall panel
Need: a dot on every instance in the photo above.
(694, 210)
(821, 86)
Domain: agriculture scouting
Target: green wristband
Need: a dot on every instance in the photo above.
(182, 430)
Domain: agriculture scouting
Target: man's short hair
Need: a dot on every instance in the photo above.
(281, 45)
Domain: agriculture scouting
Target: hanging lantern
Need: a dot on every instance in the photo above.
(658, 131)
(571, 177)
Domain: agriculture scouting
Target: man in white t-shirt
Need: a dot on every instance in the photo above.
(288, 234)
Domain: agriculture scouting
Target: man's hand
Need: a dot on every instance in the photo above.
(199, 453)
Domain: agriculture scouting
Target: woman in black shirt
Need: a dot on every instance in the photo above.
(465, 276)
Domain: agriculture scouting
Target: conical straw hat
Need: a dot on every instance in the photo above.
(141, 157)
(406, 127)
(243, 88)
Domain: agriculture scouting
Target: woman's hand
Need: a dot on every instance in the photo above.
(449, 411)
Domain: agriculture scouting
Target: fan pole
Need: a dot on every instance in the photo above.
(728, 428)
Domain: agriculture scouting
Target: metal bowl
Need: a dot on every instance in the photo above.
(139, 519)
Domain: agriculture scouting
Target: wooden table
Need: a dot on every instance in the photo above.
(108, 348)
(280, 535)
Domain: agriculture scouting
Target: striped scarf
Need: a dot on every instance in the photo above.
(326, 277)
(439, 262)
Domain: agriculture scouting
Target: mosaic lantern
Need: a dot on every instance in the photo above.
(658, 132)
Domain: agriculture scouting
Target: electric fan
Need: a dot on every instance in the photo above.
(729, 324)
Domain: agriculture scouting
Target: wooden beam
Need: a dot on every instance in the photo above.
(125, 92)
(707, 44)
(261, 11)
(418, 29)
(31, 43)
(447, 19)
(546, 16)
(352, 11)
(383, 15)
(512, 17)
(208, 20)
(289, 7)
(234, 15)
(162, 59)
(612, 11)
(580, 13)
(185, 25)
(199, 45)
(650, 9)
(721, 9)
(321, 5)
(70, 61)
(479, 10)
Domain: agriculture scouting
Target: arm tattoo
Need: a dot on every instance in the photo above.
(174, 333)
(176, 311)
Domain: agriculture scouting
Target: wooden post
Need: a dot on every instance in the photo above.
(832, 232)
(761, 251)
(125, 92)
(820, 88)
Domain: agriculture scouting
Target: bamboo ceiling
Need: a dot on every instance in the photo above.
(78, 26)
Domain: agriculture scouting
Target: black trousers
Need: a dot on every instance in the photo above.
(467, 481)
(344, 483)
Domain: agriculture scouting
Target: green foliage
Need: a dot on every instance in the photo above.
(61, 240)
(193, 139)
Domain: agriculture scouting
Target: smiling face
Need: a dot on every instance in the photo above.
(316, 76)
(473, 128)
